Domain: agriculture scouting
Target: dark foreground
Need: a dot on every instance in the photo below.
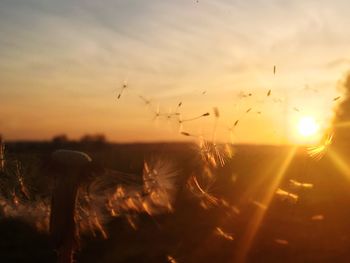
(314, 229)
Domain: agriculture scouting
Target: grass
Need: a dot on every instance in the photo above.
(190, 233)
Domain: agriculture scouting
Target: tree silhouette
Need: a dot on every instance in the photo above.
(342, 116)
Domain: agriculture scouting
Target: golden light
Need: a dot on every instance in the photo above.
(308, 126)
(340, 163)
(254, 225)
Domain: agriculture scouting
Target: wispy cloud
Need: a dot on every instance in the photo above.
(85, 49)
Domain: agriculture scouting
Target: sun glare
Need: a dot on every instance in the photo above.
(307, 126)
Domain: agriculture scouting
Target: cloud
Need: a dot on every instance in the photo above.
(85, 49)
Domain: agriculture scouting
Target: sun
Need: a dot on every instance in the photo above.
(308, 126)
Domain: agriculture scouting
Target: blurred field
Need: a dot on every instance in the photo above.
(189, 233)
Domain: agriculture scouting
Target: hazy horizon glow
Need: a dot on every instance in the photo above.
(62, 64)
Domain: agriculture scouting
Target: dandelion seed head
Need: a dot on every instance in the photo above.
(214, 154)
(223, 234)
(35, 213)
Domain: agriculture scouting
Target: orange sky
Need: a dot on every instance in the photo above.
(62, 65)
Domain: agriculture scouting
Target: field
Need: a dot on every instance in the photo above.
(171, 131)
(314, 228)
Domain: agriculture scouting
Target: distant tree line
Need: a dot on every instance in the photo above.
(96, 139)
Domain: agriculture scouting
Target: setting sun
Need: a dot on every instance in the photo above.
(204, 129)
(307, 126)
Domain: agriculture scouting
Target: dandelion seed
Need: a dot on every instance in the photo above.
(99, 226)
(146, 101)
(317, 152)
(236, 210)
(298, 185)
(122, 90)
(157, 113)
(23, 188)
(296, 109)
(159, 183)
(170, 258)
(259, 205)
(169, 115)
(229, 151)
(274, 70)
(195, 118)
(132, 221)
(277, 100)
(248, 110)
(307, 87)
(213, 153)
(217, 115)
(204, 92)
(186, 134)
(216, 112)
(242, 94)
(204, 205)
(202, 192)
(282, 242)
(336, 98)
(287, 196)
(234, 178)
(317, 217)
(119, 194)
(223, 234)
(15, 199)
(268, 93)
(35, 212)
(176, 113)
(19, 176)
(230, 129)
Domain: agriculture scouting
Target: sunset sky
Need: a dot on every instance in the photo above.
(62, 64)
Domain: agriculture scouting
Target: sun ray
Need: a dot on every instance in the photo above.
(340, 163)
(255, 185)
(342, 124)
(258, 217)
